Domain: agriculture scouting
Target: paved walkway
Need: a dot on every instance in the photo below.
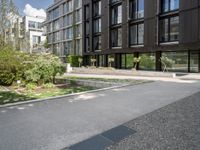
(53, 125)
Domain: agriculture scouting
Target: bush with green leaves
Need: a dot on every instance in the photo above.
(12, 66)
(44, 69)
(48, 85)
(75, 61)
(31, 86)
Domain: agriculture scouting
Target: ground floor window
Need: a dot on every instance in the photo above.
(127, 61)
(111, 60)
(175, 61)
(194, 62)
(147, 61)
(102, 61)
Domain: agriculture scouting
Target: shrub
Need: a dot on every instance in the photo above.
(31, 86)
(45, 68)
(11, 66)
(48, 85)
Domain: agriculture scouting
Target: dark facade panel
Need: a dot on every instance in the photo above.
(105, 25)
(189, 26)
(188, 4)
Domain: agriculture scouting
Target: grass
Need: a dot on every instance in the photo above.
(26, 95)
(123, 81)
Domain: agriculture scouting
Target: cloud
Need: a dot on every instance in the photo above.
(30, 11)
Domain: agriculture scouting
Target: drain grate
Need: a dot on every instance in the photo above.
(119, 133)
(106, 139)
(95, 143)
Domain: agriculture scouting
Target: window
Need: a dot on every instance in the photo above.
(147, 61)
(87, 12)
(176, 61)
(169, 29)
(78, 30)
(78, 15)
(56, 13)
(87, 28)
(78, 46)
(87, 44)
(116, 37)
(68, 20)
(114, 1)
(97, 25)
(97, 8)
(35, 25)
(68, 47)
(56, 25)
(97, 43)
(56, 36)
(136, 9)
(169, 5)
(68, 6)
(56, 49)
(77, 4)
(36, 39)
(136, 34)
(68, 33)
(116, 15)
(32, 24)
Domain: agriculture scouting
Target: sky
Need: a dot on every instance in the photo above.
(38, 4)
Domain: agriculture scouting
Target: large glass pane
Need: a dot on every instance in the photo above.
(129, 61)
(174, 28)
(123, 61)
(194, 62)
(133, 9)
(165, 5)
(164, 30)
(174, 4)
(116, 37)
(140, 33)
(140, 8)
(133, 35)
(175, 61)
(148, 61)
(116, 13)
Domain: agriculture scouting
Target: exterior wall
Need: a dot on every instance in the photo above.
(189, 31)
(59, 47)
(29, 45)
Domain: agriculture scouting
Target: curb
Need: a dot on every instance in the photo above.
(63, 96)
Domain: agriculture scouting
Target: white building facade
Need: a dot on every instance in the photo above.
(34, 37)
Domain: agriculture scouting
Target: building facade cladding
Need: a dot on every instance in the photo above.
(149, 29)
(64, 27)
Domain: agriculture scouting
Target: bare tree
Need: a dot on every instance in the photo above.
(7, 8)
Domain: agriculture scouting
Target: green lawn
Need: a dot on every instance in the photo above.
(25, 95)
(123, 81)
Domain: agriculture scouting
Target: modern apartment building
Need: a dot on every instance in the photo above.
(64, 27)
(33, 34)
(148, 29)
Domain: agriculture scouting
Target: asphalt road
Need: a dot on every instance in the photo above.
(174, 127)
(55, 124)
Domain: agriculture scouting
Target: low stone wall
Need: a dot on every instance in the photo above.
(103, 71)
(91, 83)
(96, 84)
